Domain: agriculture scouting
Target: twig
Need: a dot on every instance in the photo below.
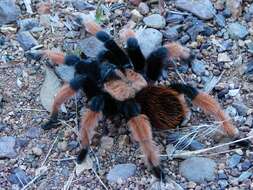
(56, 138)
(30, 109)
(192, 153)
(179, 13)
(28, 6)
(223, 152)
(215, 80)
(70, 180)
(33, 180)
(100, 180)
(63, 159)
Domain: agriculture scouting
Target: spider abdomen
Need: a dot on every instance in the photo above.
(162, 105)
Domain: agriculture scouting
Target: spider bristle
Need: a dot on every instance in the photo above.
(177, 51)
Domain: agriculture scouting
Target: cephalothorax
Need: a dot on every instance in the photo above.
(121, 83)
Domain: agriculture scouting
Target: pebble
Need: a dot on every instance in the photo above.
(121, 172)
(223, 57)
(91, 46)
(241, 108)
(33, 132)
(198, 67)
(220, 20)
(174, 18)
(26, 40)
(201, 8)
(204, 169)
(37, 151)
(155, 40)
(28, 24)
(143, 8)
(171, 34)
(7, 147)
(81, 5)
(236, 30)
(19, 176)
(234, 6)
(244, 175)
(233, 92)
(136, 16)
(155, 21)
(9, 12)
(65, 72)
(234, 160)
(50, 87)
(62, 146)
(106, 143)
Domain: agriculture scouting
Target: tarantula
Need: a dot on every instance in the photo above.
(120, 83)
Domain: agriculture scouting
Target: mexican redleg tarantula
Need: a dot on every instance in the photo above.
(120, 82)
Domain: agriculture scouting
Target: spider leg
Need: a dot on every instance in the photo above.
(135, 54)
(62, 96)
(156, 62)
(141, 129)
(121, 58)
(88, 123)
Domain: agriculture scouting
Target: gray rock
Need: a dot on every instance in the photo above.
(246, 165)
(241, 108)
(72, 145)
(236, 30)
(225, 46)
(230, 110)
(244, 176)
(21, 142)
(155, 21)
(26, 40)
(197, 27)
(81, 5)
(9, 12)
(91, 46)
(234, 160)
(65, 72)
(18, 176)
(250, 47)
(33, 132)
(154, 40)
(50, 87)
(171, 34)
(28, 24)
(201, 8)
(121, 172)
(223, 184)
(174, 18)
(185, 38)
(198, 67)
(143, 8)
(198, 169)
(249, 68)
(220, 20)
(7, 147)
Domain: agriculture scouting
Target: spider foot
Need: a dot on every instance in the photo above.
(158, 173)
(50, 124)
(82, 155)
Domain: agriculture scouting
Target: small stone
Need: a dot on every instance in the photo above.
(204, 169)
(73, 145)
(136, 15)
(191, 185)
(81, 5)
(184, 39)
(201, 8)
(230, 110)
(106, 143)
(121, 172)
(223, 184)
(7, 145)
(250, 47)
(234, 6)
(246, 165)
(28, 24)
(154, 40)
(244, 176)
(18, 176)
(171, 34)
(198, 67)
(155, 21)
(236, 30)
(234, 160)
(9, 12)
(65, 72)
(135, 2)
(220, 20)
(223, 57)
(241, 108)
(174, 18)
(26, 40)
(233, 92)
(33, 132)
(50, 87)
(91, 46)
(143, 8)
(37, 151)
(62, 146)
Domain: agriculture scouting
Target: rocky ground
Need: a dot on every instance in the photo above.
(219, 32)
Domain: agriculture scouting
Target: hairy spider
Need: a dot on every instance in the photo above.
(120, 83)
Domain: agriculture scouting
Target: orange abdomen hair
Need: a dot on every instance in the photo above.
(162, 106)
